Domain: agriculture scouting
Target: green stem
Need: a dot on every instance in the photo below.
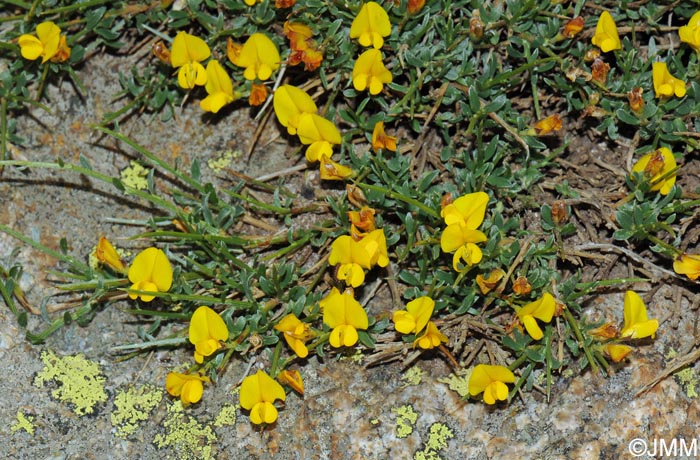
(398, 196)
(574, 327)
(75, 6)
(70, 260)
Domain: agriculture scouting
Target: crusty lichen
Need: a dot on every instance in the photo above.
(133, 406)
(412, 377)
(24, 422)
(688, 379)
(459, 382)
(438, 435)
(226, 416)
(79, 381)
(217, 164)
(406, 418)
(188, 439)
(135, 176)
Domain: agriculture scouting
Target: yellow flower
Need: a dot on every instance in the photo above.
(352, 258)
(258, 392)
(187, 54)
(46, 44)
(251, 2)
(331, 170)
(290, 103)
(415, 317)
(462, 240)
(369, 72)
(637, 324)
(490, 380)
(258, 55)
(370, 25)
(380, 140)
(617, 352)
(319, 134)
(219, 88)
(150, 271)
(296, 333)
(690, 33)
(462, 217)
(665, 84)
(344, 315)
(431, 338)
(606, 37)
(542, 309)
(207, 330)
(375, 245)
(688, 264)
(188, 387)
(468, 210)
(107, 255)
(655, 166)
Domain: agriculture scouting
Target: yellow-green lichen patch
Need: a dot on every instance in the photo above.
(185, 436)
(79, 381)
(135, 176)
(406, 418)
(688, 379)
(412, 377)
(438, 435)
(24, 422)
(459, 382)
(132, 407)
(217, 164)
(226, 416)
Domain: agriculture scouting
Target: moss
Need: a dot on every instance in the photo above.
(406, 418)
(133, 406)
(80, 381)
(187, 438)
(413, 376)
(217, 164)
(24, 422)
(438, 435)
(135, 176)
(459, 382)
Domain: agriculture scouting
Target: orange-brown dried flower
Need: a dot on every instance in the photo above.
(285, 3)
(355, 195)
(490, 283)
(446, 200)
(548, 125)
(605, 331)
(634, 96)
(559, 212)
(573, 27)
(476, 26)
(258, 94)
(591, 55)
(655, 164)
(599, 71)
(161, 51)
(415, 6)
(522, 286)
